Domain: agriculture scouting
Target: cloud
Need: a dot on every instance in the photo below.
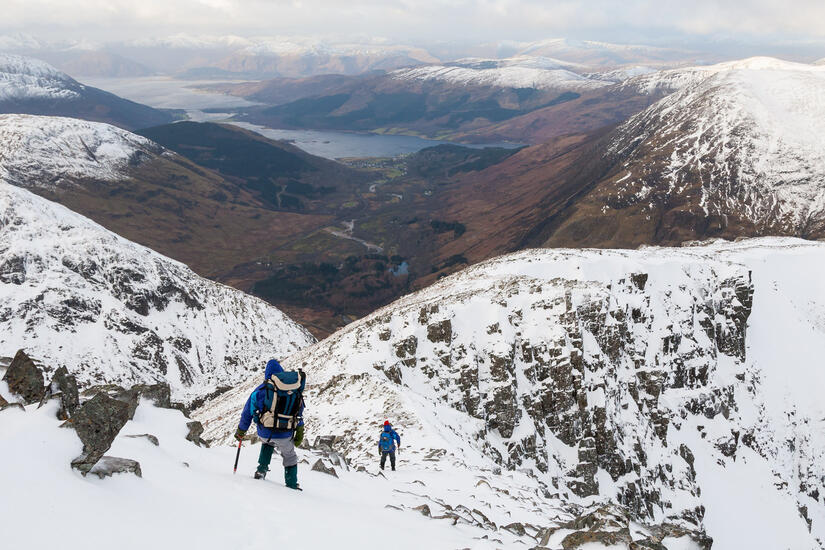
(453, 20)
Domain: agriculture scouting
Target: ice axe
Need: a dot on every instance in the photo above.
(237, 456)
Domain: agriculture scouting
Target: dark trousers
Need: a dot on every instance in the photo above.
(384, 459)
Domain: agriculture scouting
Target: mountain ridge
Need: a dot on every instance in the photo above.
(111, 311)
(30, 86)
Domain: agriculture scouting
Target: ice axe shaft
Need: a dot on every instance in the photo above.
(237, 456)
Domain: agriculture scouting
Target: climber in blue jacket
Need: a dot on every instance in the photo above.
(386, 444)
(281, 425)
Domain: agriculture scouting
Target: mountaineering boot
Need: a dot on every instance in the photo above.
(263, 460)
(291, 477)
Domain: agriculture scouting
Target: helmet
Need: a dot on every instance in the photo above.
(386, 423)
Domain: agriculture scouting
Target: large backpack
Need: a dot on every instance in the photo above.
(283, 401)
(385, 443)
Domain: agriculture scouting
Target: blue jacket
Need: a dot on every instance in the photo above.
(394, 437)
(272, 367)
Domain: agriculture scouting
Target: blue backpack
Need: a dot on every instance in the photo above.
(385, 443)
(283, 401)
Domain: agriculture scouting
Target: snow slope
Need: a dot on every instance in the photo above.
(188, 496)
(45, 150)
(672, 80)
(682, 383)
(111, 311)
(748, 138)
(27, 78)
(521, 72)
(624, 73)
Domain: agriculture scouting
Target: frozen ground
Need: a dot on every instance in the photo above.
(189, 498)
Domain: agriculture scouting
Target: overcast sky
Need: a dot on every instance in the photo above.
(759, 22)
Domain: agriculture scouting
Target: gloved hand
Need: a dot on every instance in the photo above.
(398, 450)
(299, 436)
(239, 434)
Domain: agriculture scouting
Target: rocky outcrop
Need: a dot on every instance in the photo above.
(25, 378)
(148, 437)
(97, 423)
(195, 432)
(611, 525)
(110, 465)
(158, 394)
(64, 388)
(319, 466)
(584, 364)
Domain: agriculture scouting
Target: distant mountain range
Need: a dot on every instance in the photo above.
(737, 151)
(32, 86)
(267, 57)
(435, 100)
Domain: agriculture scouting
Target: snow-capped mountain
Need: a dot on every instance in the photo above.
(74, 294)
(605, 54)
(269, 56)
(672, 80)
(26, 78)
(32, 86)
(680, 384)
(45, 151)
(521, 72)
(624, 73)
(745, 142)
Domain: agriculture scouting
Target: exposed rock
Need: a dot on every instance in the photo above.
(25, 378)
(97, 423)
(324, 443)
(10, 405)
(424, 510)
(586, 469)
(515, 528)
(194, 435)
(109, 465)
(160, 394)
(149, 437)
(610, 525)
(393, 372)
(319, 466)
(406, 347)
(440, 332)
(63, 387)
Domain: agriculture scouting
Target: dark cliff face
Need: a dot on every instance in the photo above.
(586, 382)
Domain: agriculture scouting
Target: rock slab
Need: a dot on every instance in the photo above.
(109, 465)
(97, 423)
(25, 378)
